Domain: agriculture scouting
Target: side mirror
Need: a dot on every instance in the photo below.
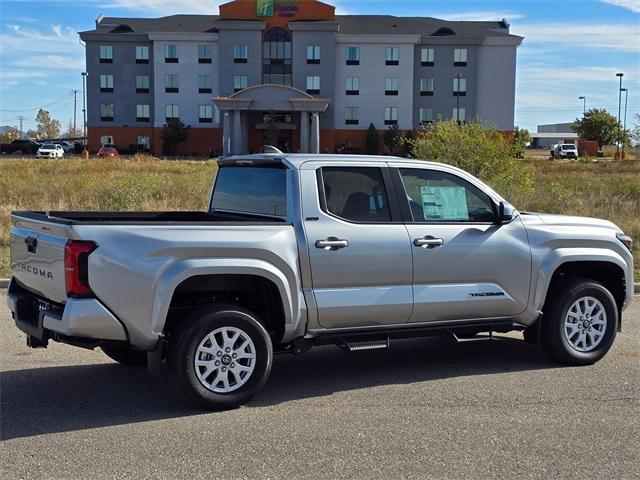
(505, 212)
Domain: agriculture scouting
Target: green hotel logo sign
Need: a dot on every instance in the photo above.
(265, 8)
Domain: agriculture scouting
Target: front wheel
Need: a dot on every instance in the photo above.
(221, 357)
(580, 323)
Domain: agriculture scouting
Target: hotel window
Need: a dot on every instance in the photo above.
(426, 87)
(427, 57)
(277, 57)
(172, 111)
(459, 87)
(392, 56)
(240, 53)
(205, 114)
(426, 116)
(142, 113)
(239, 82)
(171, 54)
(391, 86)
(459, 57)
(352, 116)
(391, 116)
(144, 142)
(106, 83)
(205, 83)
(106, 54)
(106, 112)
(171, 83)
(204, 54)
(313, 54)
(459, 114)
(353, 56)
(142, 54)
(353, 85)
(313, 84)
(142, 83)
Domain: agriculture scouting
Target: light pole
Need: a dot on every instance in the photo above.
(619, 75)
(458, 101)
(75, 94)
(626, 98)
(584, 104)
(84, 109)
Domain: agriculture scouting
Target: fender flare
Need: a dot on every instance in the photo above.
(181, 271)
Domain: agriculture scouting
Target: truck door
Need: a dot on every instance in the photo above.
(359, 250)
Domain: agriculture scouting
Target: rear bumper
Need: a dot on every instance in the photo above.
(84, 318)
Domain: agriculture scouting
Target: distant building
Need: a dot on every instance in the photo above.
(553, 134)
(294, 66)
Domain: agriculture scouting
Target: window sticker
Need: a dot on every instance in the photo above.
(444, 203)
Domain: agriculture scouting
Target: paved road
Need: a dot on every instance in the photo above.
(423, 409)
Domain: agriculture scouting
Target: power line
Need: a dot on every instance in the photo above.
(38, 108)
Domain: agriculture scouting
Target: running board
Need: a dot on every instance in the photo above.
(362, 346)
(473, 339)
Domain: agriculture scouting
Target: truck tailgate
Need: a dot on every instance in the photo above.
(37, 257)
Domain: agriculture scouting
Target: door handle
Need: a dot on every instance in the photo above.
(332, 243)
(428, 242)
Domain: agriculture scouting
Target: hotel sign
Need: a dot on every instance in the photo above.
(282, 8)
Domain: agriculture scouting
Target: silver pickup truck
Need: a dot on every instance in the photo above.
(304, 250)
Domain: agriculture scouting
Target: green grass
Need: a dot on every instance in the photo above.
(605, 189)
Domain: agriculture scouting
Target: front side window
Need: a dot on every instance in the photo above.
(391, 86)
(352, 116)
(438, 197)
(142, 54)
(426, 115)
(251, 190)
(353, 56)
(205, 83)
(172, 111)
(142, 83)
(107, 112)
(459, 87)
(353, 86)
(240, 53)
(106, 54)
(355, 194)
(142, 113)
(313, 54)
(277, 57)
(205, 113)
(426, 87)
(171, 53)
(460, 57)
(313, 84)
(171, 83)
(239, 82)
(427, 57)
(204, 54)
(392, 56)
(459, 114)
(391, 116)
(106, 83)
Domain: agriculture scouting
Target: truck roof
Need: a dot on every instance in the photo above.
(296, 160)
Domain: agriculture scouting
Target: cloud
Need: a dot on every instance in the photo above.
(631, 5)
(478, 15)
(167, 7)
(49, 62)
(624, 37)
(59, 39)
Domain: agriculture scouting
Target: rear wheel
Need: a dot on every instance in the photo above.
(580, 323)
(221, 358)
(126, 356)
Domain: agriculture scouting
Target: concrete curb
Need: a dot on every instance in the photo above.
(4, 283)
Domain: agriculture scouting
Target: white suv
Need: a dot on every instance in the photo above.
(50, 150)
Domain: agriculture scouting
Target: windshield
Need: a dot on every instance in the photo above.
(48, 146)
(252, 190)
(568, 147)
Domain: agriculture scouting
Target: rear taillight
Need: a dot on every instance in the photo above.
(76, 271)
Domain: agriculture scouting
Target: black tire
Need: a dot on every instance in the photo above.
(184, 346)
(126, 356)
(554, 340)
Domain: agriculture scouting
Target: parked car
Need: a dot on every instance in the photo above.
(303, 250)
(68, 147)
(565, 150)
(24, 146)
(106, 152)
(50, 150)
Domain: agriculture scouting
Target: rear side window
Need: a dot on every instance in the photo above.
(356, 194)
(253, 190)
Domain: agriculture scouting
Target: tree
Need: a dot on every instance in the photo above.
(71, 133)
(599, 125)
(9, 135)
(408, 143)
(393, 138)
(48, 127)
(635, 132)
(32, 134)
(521, 138)
(373, 141)
(173, 132)
(481, 151)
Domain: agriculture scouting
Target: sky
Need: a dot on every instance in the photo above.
(571, 48)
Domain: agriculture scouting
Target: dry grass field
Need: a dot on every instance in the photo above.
(604, 189)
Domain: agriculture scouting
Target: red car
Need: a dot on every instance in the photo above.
(105, 152)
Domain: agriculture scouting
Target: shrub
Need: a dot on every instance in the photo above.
(373, 141)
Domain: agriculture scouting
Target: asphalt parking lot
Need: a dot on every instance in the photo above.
(424, 408)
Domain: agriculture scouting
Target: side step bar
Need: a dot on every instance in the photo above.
(474, 338)
(361, 346)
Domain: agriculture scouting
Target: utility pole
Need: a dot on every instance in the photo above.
(458, 101)
(620, 75)
(584, 104)
(21, 118)
(84, 109)
(74, 111)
